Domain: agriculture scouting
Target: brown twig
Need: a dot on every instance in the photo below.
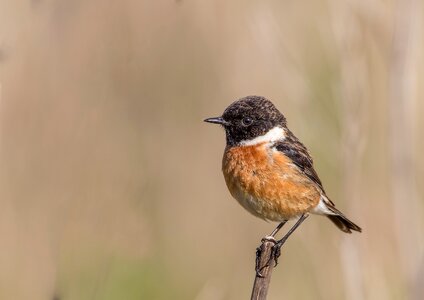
(266, 263)
(266, 258)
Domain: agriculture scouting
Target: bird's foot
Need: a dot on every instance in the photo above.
(258, 267)
(276, 251)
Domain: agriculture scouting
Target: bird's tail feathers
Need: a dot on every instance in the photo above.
(341, 221)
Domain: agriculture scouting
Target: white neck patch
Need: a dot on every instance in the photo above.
(275, 134)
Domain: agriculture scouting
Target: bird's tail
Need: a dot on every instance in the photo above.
(341, 221)
(326, 207)
(344, 224)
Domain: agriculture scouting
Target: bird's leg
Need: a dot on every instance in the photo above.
(270, 238)
(280, 243)
(277, 229)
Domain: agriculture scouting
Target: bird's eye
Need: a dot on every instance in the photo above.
(247, 121)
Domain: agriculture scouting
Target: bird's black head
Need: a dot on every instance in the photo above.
(249, 118)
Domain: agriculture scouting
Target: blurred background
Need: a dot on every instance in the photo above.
(110, 183)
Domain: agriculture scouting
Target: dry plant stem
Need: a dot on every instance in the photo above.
(266, 260)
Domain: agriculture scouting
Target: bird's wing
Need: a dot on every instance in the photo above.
(297, 152)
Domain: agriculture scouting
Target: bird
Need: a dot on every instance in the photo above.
(269, 171)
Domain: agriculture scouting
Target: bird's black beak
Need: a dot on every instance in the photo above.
(217, 120)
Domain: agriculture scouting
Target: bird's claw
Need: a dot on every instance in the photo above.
(258, 268)
(257, 263)
(276, 252)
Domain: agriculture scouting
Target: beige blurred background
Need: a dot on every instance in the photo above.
(110, 183)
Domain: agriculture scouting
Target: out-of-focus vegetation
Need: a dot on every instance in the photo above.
(110, 184)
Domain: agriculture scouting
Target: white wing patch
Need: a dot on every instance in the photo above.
(321, 208)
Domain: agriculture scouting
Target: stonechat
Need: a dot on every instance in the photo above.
(268, 170)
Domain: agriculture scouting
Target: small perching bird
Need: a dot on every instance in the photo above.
(268, 170)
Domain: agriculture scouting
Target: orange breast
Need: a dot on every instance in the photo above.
(267, 184)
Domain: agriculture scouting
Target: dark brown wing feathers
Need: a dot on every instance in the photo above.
(297, 152)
